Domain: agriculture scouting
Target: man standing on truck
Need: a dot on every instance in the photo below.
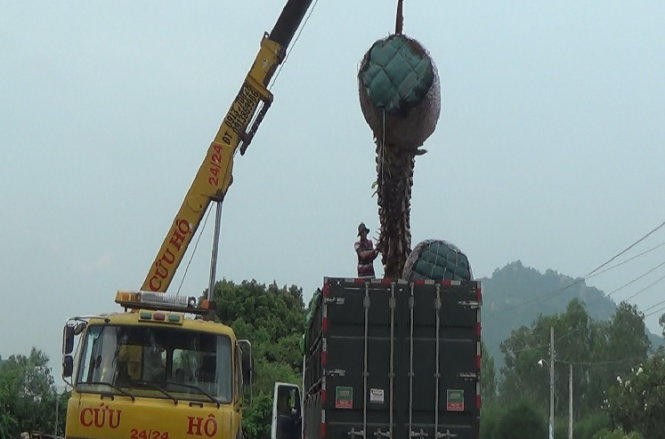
(366, 253)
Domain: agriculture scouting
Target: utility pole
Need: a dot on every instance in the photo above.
(570, 402)
(57, 406)
(551, 382)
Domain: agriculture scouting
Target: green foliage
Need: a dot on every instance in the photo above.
(521, 421)
(510, 300)
(589, 426)
(616, 434)
(273, 320)
(635, 402)
(256, 419)
(599, 350)
(490, 416)
(28, 395)
(487, 376)
(560, 429)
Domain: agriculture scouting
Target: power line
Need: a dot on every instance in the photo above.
(661, 225)
(545, 345)
(655, 311)
(598, 363)
(653, 306)
(612, 267)
(597, 271)
(554, 293)
(635, 280)
(538, 299)
(660, 279)
(576, 363)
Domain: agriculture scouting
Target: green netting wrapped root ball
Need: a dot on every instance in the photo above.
(398, 80)
(437, 260)
(400, 98)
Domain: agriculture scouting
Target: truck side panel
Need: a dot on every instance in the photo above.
(393, 360)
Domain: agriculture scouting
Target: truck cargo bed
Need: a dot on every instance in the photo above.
(394, 360)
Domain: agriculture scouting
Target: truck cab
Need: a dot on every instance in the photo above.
(286, 412)
(154, 372)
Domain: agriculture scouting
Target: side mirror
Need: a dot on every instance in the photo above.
(67, 366)
(73, 327)
(247, 368)
(286, 412)
(68, 339)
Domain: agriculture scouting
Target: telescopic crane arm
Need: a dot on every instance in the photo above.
(215, 174)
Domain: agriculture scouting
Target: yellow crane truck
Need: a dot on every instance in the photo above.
(162, 369)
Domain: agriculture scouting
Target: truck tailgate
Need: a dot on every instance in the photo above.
(395, 360)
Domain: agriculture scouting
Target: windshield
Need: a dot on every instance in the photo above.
(160, 362)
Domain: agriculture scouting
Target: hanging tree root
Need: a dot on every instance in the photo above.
(394, 167)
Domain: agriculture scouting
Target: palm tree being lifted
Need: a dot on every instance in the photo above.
(400, 99)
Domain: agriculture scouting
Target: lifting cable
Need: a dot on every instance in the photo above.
(191, 256)
(295, 41)
(281, 64)
(272, 82)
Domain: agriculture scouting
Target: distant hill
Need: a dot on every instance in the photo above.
(515, 295)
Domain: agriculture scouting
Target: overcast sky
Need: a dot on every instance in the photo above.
(550, 147)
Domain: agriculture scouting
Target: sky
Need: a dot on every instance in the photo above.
(549, 148)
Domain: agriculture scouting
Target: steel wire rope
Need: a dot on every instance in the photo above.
(191, 256)
(281, 65)
(381, 165)
(270, 85)
(383, 146)
(295, 41)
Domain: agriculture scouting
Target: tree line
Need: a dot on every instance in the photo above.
(604, 355)
(29, 399)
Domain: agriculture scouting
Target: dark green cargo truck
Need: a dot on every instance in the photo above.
(386, 359)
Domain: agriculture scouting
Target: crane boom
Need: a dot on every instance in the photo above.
(215, 173)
